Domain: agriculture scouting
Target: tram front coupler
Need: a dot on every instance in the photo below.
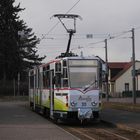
(84, 114)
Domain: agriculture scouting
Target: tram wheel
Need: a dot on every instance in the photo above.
(84, 122)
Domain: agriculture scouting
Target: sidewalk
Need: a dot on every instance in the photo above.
(17, 122)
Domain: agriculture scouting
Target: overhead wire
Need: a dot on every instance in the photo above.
(110, 36)
(137, 28)
(65, 13)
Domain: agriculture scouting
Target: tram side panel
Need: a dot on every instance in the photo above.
(31, 87)
(45, 98)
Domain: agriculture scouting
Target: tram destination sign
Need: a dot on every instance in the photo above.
(83, 62)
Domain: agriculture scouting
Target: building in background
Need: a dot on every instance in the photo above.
(120, 77)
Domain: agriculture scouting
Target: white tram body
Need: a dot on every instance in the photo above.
(67, 88)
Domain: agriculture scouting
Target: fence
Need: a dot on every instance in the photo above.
(129, 94)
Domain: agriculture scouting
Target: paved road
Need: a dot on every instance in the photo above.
(17, 122)
(120, 117)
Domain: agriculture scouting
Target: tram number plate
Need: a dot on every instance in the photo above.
(84, 103)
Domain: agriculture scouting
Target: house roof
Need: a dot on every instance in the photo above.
(117, 64)
(125, 66)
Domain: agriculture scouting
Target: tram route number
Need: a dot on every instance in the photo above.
(84, 103)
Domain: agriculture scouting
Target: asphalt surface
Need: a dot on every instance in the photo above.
(18, 122)
(122, 118)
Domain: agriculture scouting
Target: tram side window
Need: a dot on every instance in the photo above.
(58, 80)
(32, 81)
(58, 67)
(46, 81)
(65, 74)
(64, 63)
(65, 82)
(58, 76)
(65, 77)
(39, 80)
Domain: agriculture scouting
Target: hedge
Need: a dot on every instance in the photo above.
(129, 94)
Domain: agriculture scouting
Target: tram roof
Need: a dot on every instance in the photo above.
(71, 58)
(81, 57)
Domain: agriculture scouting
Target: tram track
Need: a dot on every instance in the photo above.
(101, 131)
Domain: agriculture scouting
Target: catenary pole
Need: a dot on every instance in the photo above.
(134, 67)
(106, 77)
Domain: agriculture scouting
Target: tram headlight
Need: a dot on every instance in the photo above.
(73, 103)
(94, 103)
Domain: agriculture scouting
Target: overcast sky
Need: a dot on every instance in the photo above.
(100, 18)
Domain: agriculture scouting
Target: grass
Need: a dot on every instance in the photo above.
(122, 106)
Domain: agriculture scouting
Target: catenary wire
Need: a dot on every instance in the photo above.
(59, 21)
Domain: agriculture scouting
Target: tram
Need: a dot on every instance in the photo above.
(67, 88)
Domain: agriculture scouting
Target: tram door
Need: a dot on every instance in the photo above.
(51, 93)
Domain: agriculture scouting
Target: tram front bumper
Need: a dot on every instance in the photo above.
(84, 114)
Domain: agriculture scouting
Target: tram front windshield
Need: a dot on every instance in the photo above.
(83, 73)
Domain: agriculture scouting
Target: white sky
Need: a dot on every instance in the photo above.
(100, 18)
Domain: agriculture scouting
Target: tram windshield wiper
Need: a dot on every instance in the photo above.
(90, 85)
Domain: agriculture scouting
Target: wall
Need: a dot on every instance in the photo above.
(126, 78)
(138, 84)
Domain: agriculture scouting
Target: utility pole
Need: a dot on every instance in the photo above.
(134, 67)
(106, 75)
